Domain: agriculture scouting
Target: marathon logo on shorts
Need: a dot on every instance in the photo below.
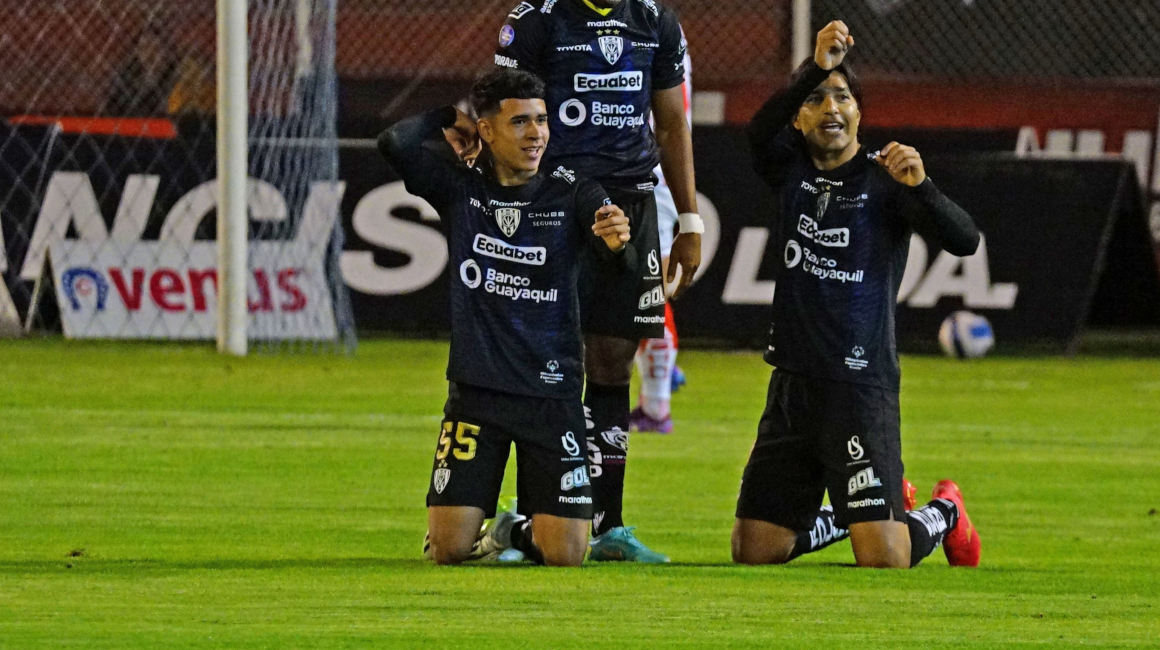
(533, 255)
(649, 320)
(629, 82)
(586, 501)
(865, 503)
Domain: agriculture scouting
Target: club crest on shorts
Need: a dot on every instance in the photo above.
(654, 263)
(508, 220)
(611, 47)
(442, 476)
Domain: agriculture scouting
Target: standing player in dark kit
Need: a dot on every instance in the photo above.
(831, 420)
(607, 64)
(515, 237)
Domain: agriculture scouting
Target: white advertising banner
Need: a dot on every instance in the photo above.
(132, 289)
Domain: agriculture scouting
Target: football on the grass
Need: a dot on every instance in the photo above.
(965, 335)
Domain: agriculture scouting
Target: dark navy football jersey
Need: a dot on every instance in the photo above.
(600, 72)
(514, 259)
(843, 239)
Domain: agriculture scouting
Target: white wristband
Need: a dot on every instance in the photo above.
(691, 223)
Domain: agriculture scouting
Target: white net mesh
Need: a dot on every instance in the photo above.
(107, 170)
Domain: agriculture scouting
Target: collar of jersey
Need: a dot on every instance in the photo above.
(602, 12)
(848, 168)
(486, 167)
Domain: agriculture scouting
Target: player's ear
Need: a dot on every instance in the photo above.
(796, 124)
(483, 126)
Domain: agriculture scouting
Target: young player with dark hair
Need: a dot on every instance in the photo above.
(831, 420)
(607, 65)
(515, 236)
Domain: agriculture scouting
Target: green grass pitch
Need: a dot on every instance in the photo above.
(162, 496)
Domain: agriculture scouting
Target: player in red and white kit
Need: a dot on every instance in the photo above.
(656, 359)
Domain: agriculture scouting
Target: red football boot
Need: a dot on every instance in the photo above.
(909, 495)
(962, 545)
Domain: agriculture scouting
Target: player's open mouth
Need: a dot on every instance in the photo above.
(533, 152)
(832, 127)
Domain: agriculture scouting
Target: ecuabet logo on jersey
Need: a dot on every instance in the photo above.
(611, 47)
(508, 220)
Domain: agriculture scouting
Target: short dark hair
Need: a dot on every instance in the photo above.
(843, 68)
(503, 83)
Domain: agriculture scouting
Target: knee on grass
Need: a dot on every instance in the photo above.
(449, 552)
(569, 551)
(761, 544)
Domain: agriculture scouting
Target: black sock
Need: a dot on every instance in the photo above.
(929, 525)
(824, 533)
(607, 408)
(521, 538)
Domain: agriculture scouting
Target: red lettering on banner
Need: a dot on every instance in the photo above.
(265, 302)
(131, 296)
(163, 283)
(297, 300)
(197, 286)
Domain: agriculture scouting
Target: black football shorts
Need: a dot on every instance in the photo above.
(478, 429)
(629, 305)
(819, 435)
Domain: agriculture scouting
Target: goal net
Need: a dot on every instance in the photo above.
(108, 187)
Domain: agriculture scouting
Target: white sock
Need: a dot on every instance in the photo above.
(655, 361)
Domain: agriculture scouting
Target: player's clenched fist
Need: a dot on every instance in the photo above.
(612, 226)
(833, 42)
(464, 138)
(903, 163)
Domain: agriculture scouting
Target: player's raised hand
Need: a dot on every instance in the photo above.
(686, 254)
(903, 163)
(464, 138)
(612, 226)
(834, 41)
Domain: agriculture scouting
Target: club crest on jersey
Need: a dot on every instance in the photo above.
(442, 476)
(823, 203)
(508, 220)
(612, 47)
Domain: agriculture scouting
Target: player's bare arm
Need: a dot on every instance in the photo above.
(612, 226)
(676, 147)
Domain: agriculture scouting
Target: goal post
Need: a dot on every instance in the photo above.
(233, 171)
(169, 171)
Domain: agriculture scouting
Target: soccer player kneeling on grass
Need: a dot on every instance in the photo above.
(831, 420)
(515, 374)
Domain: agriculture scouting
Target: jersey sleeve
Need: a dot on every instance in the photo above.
(934, 216)
(522, 39)
(773, 142)
(425, 172)
(590, 197)
(669, 64)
